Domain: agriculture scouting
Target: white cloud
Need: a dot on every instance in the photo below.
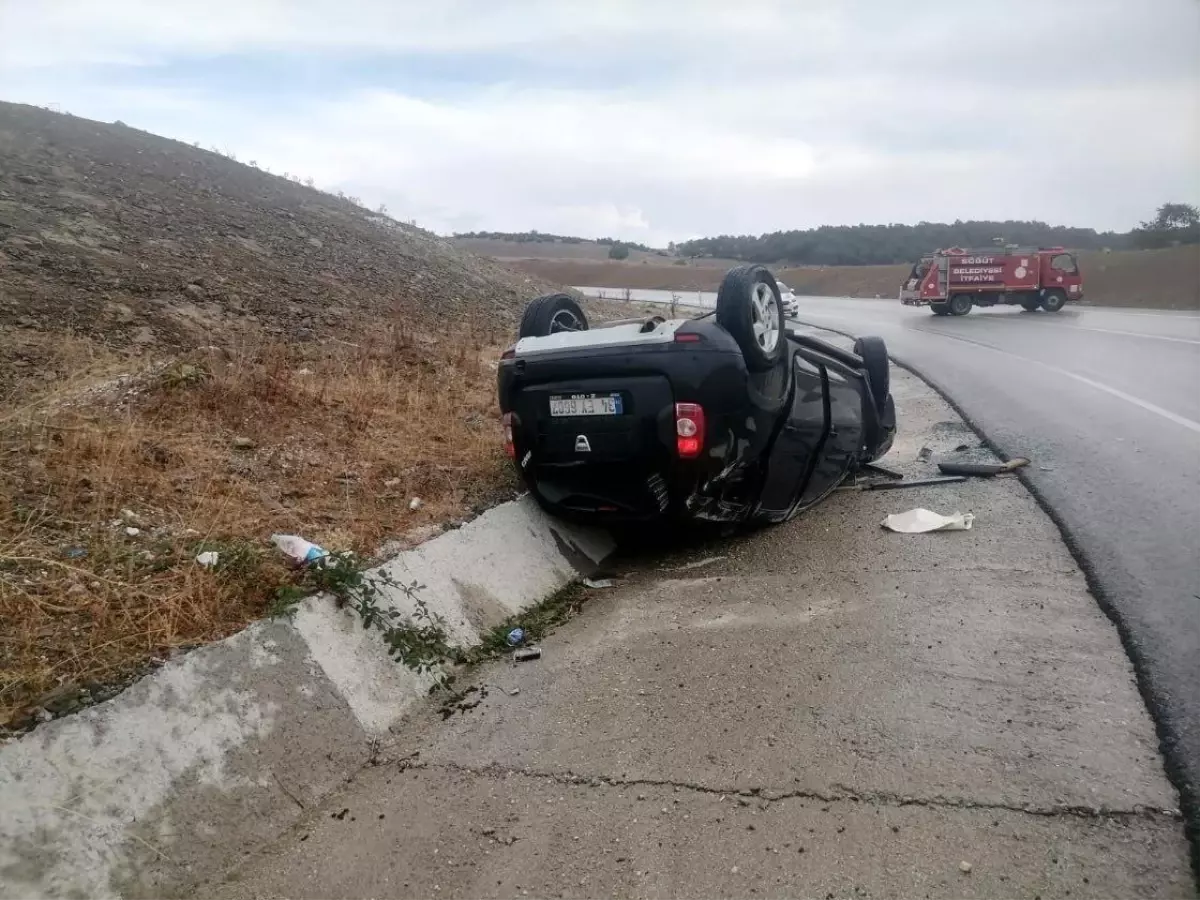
(704, 117)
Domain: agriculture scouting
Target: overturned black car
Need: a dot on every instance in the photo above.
(727, 417)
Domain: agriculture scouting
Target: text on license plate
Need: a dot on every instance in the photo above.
(585, 405)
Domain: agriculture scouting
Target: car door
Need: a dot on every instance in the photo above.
(818, 439)
(844, 439)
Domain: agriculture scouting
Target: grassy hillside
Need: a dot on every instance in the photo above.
(195, 354)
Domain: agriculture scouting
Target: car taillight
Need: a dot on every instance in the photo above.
(687, 337)
(509, 447)
(509, 353)
(689, 430)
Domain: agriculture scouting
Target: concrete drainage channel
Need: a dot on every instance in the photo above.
(224, 748)
(819, 709)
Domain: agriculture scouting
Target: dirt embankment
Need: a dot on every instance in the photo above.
(195, 354)
(1153, 279)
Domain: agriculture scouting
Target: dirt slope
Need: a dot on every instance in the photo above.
(1153, 279)
(194, 355)
(139, 241)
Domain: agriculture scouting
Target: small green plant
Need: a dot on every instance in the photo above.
(536, 622)
(418, 641)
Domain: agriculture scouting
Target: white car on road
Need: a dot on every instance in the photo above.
(791, 305)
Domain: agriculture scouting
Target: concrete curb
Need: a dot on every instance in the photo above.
(222, 749)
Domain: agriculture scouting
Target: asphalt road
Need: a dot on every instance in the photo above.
(1106, 403)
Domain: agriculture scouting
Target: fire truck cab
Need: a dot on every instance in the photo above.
(951, 281)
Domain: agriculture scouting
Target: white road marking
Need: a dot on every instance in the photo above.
(1147, 315)
(1156, 337)
(1082, 379)
(1128, 398)
(1073, 327)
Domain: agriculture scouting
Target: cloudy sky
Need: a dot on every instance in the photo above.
(653, 120)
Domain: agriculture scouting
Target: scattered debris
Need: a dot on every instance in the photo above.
(707, 561)
(516, 637)
(965, 867)
(925, 454)
(243, 443)
(208, 558)
(525, 654)
(75, 552)
(883, 470)
(598, 582)
(894, 485)
(415, 503)
(300, 551)
(919, 521)
(133, 532)
(919, 482)
(962, 448)
(982, 470)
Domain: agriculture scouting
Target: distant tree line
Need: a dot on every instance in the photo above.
(857, 245)
(1174, 223)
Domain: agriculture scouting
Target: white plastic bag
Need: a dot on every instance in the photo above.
(919, 521)
(296, 548)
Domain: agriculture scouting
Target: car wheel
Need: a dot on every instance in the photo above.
(1053, 301)
(551, 314)
(960, 304)
(750, 309)
(875, 360)
(940, 309)
(1030, 305)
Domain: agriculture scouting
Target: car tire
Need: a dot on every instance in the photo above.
(939, 309)
(550, 314)
(749, 307)
(1030, 305)
(960, 304)
(1053, 301)
(875, 360)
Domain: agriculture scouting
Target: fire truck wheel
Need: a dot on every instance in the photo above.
(960, 304)
(940, 309)
(1053, 301)
(1030, 305)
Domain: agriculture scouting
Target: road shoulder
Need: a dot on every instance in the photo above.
(819, 708)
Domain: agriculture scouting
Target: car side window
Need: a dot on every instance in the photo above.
(1064, 262)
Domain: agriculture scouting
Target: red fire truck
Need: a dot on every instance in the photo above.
(951, 281)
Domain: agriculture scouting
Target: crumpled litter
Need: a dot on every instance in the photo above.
(208, 558)
(919, 521)
(595, 583)
(297, 549)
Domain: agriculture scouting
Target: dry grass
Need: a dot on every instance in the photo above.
(218, 451)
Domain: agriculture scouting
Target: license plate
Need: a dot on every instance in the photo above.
(585, 405)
